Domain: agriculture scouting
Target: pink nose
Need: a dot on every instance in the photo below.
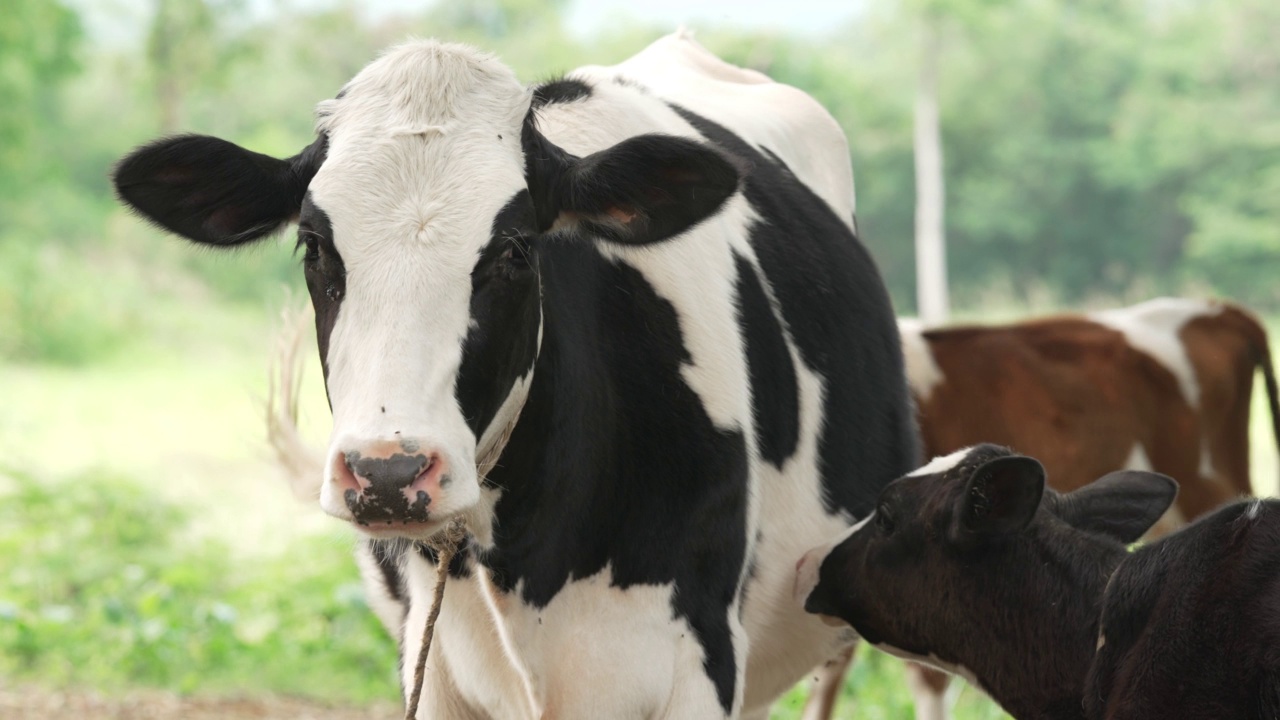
(390, 482)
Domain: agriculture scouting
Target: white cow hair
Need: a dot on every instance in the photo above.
(941, 464)
(923, 373)
(1154, 327)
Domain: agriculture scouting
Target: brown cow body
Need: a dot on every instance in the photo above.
(1164, 386)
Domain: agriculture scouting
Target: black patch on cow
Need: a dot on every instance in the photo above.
(325, 273)
(837, 310)
(775, 398)
(616, 462)
(458, 567)
(564, 90)
(502, 339)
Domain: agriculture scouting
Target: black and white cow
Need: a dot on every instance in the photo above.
(972, 565)
(619, 322)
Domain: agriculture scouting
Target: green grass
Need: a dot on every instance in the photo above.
(105, 588)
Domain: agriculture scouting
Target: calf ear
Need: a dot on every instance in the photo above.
(1123, 504)
(215, 192)
(646, 189)
(1000, 498)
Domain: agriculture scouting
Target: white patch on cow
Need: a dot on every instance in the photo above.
(923, 373)
(1206, 462)
(766, 113)
(573, 645)
(1154, 328)
(1255, 507)
(469, 672)
(1138, 459)
(1102, 641)
(935, 662)
(410, 213)
(941, 464)
(787, 642)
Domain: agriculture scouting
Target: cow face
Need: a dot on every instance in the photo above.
(955, 551)
(424, 209)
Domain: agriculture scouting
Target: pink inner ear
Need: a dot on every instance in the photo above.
(622, 214)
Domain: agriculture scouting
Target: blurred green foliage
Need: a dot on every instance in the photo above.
(1094, 148)
(105, 586)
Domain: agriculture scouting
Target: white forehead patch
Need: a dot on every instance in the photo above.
(1153, 327)
(941, 464)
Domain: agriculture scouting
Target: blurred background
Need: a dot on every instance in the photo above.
(153, 563)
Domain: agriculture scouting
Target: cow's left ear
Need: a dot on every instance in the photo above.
(645, 189)
(1000, 498)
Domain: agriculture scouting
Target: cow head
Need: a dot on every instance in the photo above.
(423, 208)
(960, 555)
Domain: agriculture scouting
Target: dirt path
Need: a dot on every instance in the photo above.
(32, 703)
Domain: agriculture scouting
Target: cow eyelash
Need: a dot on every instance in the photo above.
(516, 243)
(308, 238)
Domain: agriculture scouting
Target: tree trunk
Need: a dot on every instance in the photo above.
(931, 250)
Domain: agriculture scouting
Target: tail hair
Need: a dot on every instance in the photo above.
(301, 464)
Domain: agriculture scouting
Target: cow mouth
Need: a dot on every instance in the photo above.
(390, 529)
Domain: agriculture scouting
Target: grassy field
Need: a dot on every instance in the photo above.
(149, 542)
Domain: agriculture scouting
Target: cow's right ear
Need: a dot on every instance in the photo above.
(215, 192)
(1000, 498)
(1123, 504)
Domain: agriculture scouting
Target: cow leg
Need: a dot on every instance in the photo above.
(928, 690)
(828, 678)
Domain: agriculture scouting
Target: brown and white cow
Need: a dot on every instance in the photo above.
(1164, 385)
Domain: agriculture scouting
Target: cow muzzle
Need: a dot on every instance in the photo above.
(391, 488)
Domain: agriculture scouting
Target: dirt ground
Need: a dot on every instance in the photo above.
(32, 703)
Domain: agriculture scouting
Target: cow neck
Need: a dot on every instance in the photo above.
(1044, 678)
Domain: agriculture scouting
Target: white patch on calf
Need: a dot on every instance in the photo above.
(941, 464)
(923, 373)
(1153, 328)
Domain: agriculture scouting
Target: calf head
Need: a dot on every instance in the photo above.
(972, 565)
(425, 207)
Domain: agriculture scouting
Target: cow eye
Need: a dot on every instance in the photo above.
(884, 520)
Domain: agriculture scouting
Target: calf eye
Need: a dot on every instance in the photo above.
(884, 520)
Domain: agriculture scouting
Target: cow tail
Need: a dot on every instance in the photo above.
(302, 464)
